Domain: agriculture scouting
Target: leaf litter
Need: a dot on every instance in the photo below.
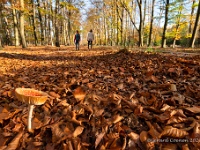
(101, 99)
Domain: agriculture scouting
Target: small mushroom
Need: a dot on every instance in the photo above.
(31, 97)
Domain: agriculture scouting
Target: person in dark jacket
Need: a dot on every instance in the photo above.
(77, 39)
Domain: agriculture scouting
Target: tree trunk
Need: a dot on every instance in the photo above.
(122, 27)
(23, 40)
(151, 24)
(195, 28)
(117, 18)
(33, 22)
(57, 31)
(141, 24)
(45, 23)
(191, 17)
(7, 32)
(41, 23)
(165, 24)
(16, 28)
(50, 24)
(64, 32)
(1, 36)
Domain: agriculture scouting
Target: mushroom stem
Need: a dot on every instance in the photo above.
(30, 114)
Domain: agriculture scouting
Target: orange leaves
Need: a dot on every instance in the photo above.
(116, 101)
(79, 94)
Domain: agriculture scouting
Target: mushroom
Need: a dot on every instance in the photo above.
(31, 97)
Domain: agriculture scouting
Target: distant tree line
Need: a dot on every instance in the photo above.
(115, 22)
(39, 22)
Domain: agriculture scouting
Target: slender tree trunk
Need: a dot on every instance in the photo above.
(33, 22)
(64, 32)
(104, 26)
(69, 26)
(195, 27)
(191, 17)
(117, 21)
(45, 23)
(141, 24)
(151, 24)
(120, 15)
(57, 31)
(41, 23)
(16, 29)
(6, 29)
(191, 22)
(1, 36)
(22, 34)
(122, 26)
(165, 24)
(144, 16)
(50, 24)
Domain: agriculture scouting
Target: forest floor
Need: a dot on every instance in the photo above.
(102, 98)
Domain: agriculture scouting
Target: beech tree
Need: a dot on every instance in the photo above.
(34, 23)
(196, 25)
(165, 24)
(151, 23)
(22, 34)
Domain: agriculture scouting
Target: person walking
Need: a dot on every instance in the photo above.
(77, 39)
(90, 38)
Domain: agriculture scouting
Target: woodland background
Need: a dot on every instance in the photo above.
(127, 23)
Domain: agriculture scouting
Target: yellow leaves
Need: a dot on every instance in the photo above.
(68, 6)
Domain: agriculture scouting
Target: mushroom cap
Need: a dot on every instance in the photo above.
(31, 96)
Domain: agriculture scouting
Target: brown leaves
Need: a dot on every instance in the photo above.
(79, 94)
(194, 109)
(78, 131)
(116, 101)
(99, 138)
(15, 142)
(173, 132)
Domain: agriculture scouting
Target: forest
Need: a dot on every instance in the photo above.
(133, 84)
(128, 23)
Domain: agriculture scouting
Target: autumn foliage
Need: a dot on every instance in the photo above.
(101, 99)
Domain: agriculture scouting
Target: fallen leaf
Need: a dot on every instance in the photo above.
(78, 131)
(173, 132)
(99, 138)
